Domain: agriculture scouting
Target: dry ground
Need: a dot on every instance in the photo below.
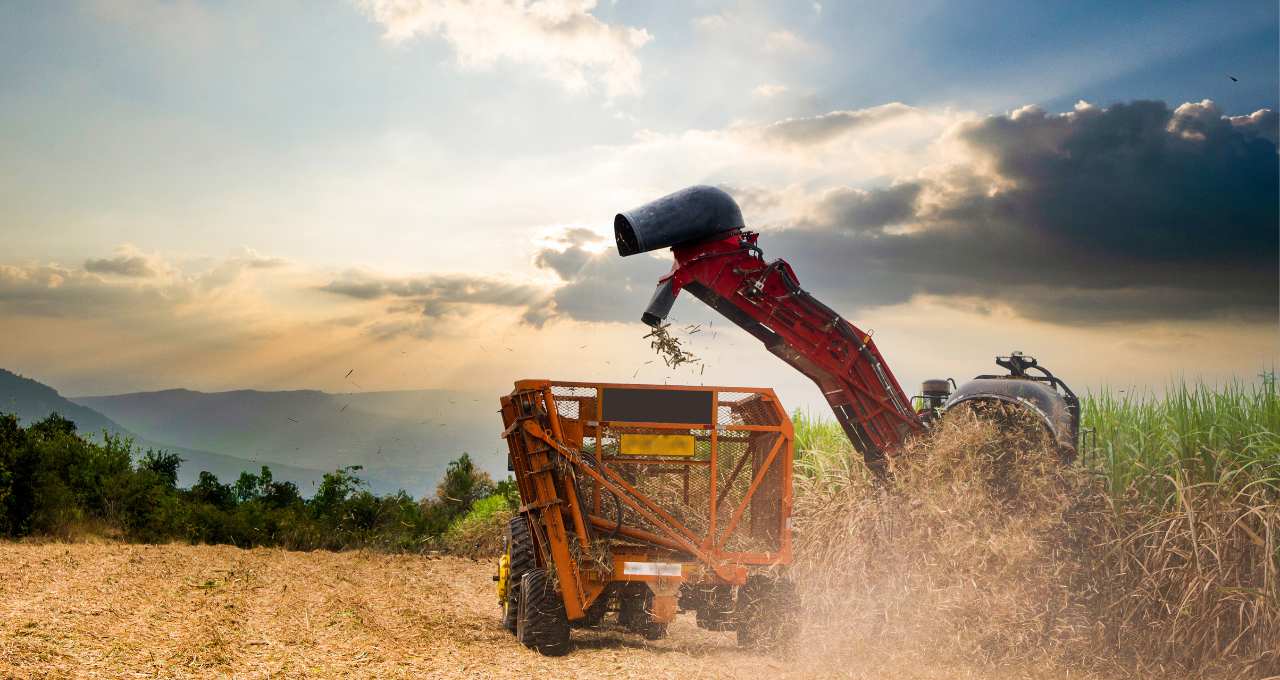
(111, 610)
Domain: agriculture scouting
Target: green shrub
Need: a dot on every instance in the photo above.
(479, 533)
(53, 482)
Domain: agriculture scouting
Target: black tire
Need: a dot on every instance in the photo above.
(541, 622)
(595, 613)
(635, 612)
(520, 550)
(715, 608)
(631, 612)
(654, 630)
(766, 617)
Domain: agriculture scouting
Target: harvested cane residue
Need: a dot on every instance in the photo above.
(668, 347)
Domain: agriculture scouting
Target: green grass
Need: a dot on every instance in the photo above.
(1227, 436)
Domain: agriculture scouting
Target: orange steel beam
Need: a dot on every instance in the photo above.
(755, 484)
(632, 532)
(630, 497)
(733, 477)
(557, 539)
(570, 490)
(710, 539)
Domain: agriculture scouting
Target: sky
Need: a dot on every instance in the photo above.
(219, 195)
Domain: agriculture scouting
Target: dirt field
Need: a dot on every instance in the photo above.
(109, 610)
(102, 610)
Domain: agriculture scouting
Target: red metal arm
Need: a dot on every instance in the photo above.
(766, 300)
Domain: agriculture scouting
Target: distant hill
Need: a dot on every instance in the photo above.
(403, 439)
(32, 401)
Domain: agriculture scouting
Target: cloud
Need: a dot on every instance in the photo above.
(561, 38)
(252, 259)
(768, 90)
(712, 22)
(419, 302)
(786, 42)
(1135, 212)
(136, 266)
(126, 287)
(816, 130)
(598, 285)
(869, 210)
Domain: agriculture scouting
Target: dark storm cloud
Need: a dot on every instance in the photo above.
(123, 265)
(828, 126)
(1136, 212)
(437, 296)
(599, 285)
(870, 210)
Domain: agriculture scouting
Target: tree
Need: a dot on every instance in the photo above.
(463, 484)
(209, 490)
(164, 464)
(334, 490)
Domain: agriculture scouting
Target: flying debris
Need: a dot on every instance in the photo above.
(668, 347)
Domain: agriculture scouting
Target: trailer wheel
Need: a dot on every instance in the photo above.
(631, 599)
(541, 622)
(766, 613)
(714, 608)
(635, 612)
(520, 552)
(595, 613)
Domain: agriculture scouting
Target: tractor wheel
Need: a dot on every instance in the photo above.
(520, 552)
(541, 622)
(766, 613)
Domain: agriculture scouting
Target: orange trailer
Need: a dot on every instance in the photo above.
(644, 500)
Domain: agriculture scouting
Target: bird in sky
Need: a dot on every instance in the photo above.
(1234, 79)
(348, 375)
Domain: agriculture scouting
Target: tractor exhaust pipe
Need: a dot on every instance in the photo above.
(693, 214)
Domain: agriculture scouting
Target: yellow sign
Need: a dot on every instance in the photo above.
(656, 445)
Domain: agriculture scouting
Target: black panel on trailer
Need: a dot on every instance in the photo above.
(627, 405)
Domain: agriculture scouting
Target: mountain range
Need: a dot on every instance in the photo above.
(403, 439)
